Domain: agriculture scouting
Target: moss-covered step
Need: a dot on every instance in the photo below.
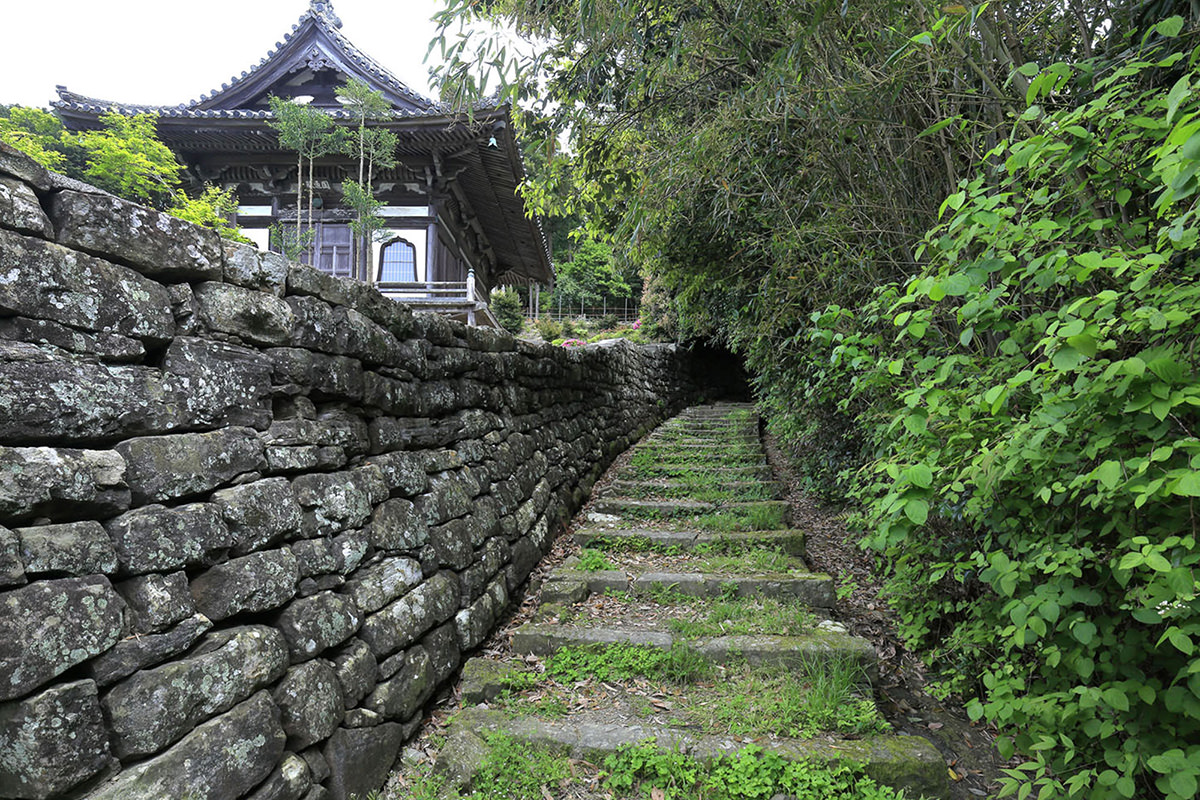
(815, 647)
(706, 489)
(683, 470)
(902, 762)
(610, 537)
(671, 509)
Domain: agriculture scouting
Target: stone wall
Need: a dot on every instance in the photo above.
(251, 516)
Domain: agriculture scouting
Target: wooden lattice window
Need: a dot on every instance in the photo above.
(398, 262)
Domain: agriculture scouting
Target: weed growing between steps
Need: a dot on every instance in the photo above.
(707, 561)
(513, 770)
(681, 687)
(593, 561)
(733, 519)
(707, 491)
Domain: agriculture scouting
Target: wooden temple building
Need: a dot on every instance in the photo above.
(455, 226)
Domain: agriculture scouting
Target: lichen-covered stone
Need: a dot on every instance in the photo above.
(473, 623)
(356, 669)
(42, 280)
(112, 347)
(404, 473)
(21, 211)
(215, 383)
(12, 569)
(396, 526)
(311, 625)
(49, 481)
(156, 601)
(289, 781)
(50, 626)
(444, 655)
(252, 316)
(186, 464)
(361, 758)
(71, 548)
(403, 621)
(259, 513)
(145, 650)
(155, 538)
(375, 586)
(341, 554)
(156, 707)
(257, 582)
(332, 502)
(255, 269)
(153, 242)
(223, 758)
(310, 698)
(402, 695)
(51, 741)
(452, 542)
(52, 395)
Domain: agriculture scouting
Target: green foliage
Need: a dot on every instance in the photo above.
(548, 329)
(622, 662)
(127, 159)
(311, 133)
(751, 773)
(593, 561)
(506, 303)
(375, 148)
(589, 276)
(38, 134)
(1031, 399)
(212, 209)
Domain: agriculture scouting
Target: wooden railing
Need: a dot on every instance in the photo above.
(455, 296)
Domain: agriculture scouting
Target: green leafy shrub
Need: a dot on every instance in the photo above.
(506, 303)
(1032, 399)
(548, 329)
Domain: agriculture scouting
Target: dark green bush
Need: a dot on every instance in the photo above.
(548, 329)
(1032, 405)
(506, 304)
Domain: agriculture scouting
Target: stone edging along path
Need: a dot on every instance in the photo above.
(688, 626)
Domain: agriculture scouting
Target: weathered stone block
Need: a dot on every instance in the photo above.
(444, 655)
(52, 741)
(156, 707)
(46, 281)
(50, 626)
(223, 758)
(305, 280)
(259, 513)
(356, 667)
(257, 582)
(250, 315)
(403, 473)
(404, 620)
(337, 377)
(403, 695)
(145, 650)
(289, 781)
(107, 346)
(73, 548)
(332, 502)
(54, 395)
(153, 242)
(217, 384)
(474, 623)
(314, 624)
(255, 269)
(21, 211)
(310, 698)
(12, 569)
(16, 164)
(452, 542)
(155, 538)
(375, 586)
(186, 464)
(48, 481)
(156, 601)
(341, 554)
(361, 758)
(396, 525)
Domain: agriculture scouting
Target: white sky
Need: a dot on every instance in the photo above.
(166, 52)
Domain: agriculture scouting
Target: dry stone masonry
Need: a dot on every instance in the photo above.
(252, 516)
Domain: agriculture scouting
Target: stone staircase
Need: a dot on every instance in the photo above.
(688, 623)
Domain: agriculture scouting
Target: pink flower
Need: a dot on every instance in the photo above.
(569, 343)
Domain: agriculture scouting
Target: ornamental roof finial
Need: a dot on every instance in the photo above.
(325, 9)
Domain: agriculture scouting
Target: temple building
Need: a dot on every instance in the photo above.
(454, 225)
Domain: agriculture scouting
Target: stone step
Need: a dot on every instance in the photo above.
(676, 470)
(902, 762)
(822, 645)
(790, 541)
(769, 490)
(692, 446)
(713, 454)
(568, 584)
(676, 509)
